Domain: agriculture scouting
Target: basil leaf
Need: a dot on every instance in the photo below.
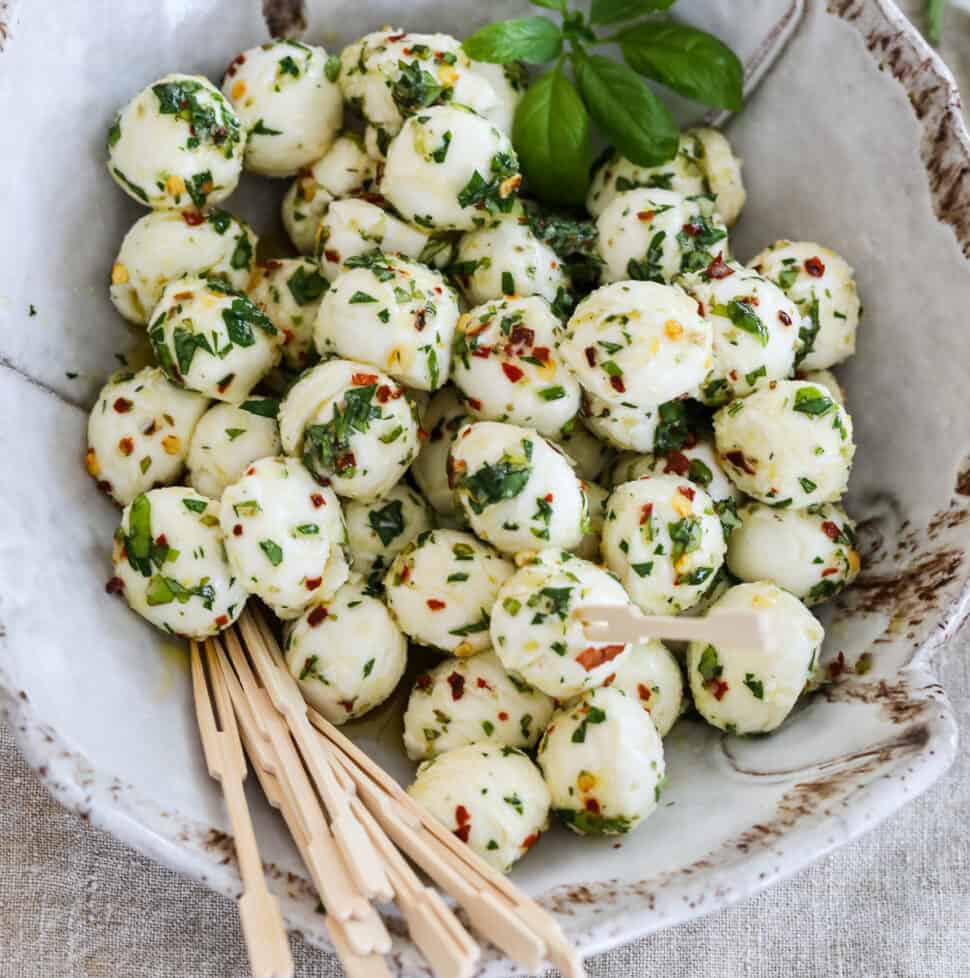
(551, 138)
(559, 5)
(535, 40)
(613, 11)
(631, 116)
(691, 62)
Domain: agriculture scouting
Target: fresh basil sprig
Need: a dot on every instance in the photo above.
(551, 131)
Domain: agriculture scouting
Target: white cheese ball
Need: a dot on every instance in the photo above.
(285, 535)
(492, 798)
(517, 490)
(449, 169)
(347, 653)
(211, 339)
(589, 455)
(506, 365)
(637, 344)
(177, 143)
(353, 427)
(226, 441)
(139, 432)
(536, 633)
(508, 82)
(663, 539)
(287, 103)
(755, 327)
(722, 171)
(589, 546)
(170, 564)
(658, 235)
(343, 170)
(789, 444)
(441, 589)
(603, 762)
(826, 379)
(810, 552)
(747, 691)
(628, 428)
(165, 245)
(650, 675)
(445, 416)
(464, 701)
(507, 259)
(394, 313)
(822, 284)
(289, 292)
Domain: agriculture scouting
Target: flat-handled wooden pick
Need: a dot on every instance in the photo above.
(259, 910)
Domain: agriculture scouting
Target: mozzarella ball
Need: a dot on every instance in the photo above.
(508, 83)
(506, 366)
(139, 432)
(446, 415)
(170, 564)
(377, 141)
(650, 675)
(226, 441)
(507, 259)
(822, 284)
(588, 454)
(352, 426)
(596, 498)
(826, 379)
(211, 339)
(393, 313)
(748, 691)
(287, 103)
(493, 798)
(603, 762)
(517, 490)
(637, 344)
(538, 636)
(658, 235)
(627, 428)
(177, 143)
(788, 444)
(285, 535)
(343, 170)
(463, 701)
(755, 327)
(165, 245)
(810, 552)
(441, 589)
(347, 653)
(451, 170)
(722, 171)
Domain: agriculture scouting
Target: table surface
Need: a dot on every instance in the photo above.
(894, 904)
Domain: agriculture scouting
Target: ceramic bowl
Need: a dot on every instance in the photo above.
(851, 137)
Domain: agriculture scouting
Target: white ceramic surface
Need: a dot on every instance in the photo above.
(871, 162)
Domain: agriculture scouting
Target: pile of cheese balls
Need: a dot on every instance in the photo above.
(426, 428)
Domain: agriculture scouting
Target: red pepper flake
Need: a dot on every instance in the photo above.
(643, 691)
(405, 572)
(646, 215)
(718, 268)
(784, 318)
(687, 491)
(530, 840)
(180, 297)
(251, 470)
(423, 435)
(463, 832)
(610, 679)
(700, 307)
(161, 540)
(126, 445)
(151, 429)
(592, 657)
(397, 37)
(592, 805)
(312, 583)
(424, 681)
(348, 705)
(362, 380)
(223, 384)
(287, 336)
(646, 511)
(346, 461)
(237, 530)
(514, 373)
(677, 462)
(192, 218)
(814, 267)
(718, 688)
(503, 716)
(383, 394)
(617, 384)
(222, 621)
(829, 571)
(692, 228)
(332, 255)
(457, 683)
(837, 667)
(483, 683)
(541, 353)
(475, 403)
(548, 497)
(317, 499)
(316, 616)
(590, 352)
(831, 530)
(115, 586)
(421, 319)
(435, 604)
(737, 459)
(461, 815)
(122, 405)
(522, 336)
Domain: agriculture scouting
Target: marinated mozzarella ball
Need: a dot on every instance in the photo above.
(663, 539)
(352, 426)
(596, 498)
(286, 101)
(445, 416)
(377, 141)
(170, 564)
(516, 490)
(347, 653)
(451, 170)
(588, 454)
(463, 701)
(621, 426)
(508, 82)
(505, 364)
(284, 535)
(755, 327)
(603, 762)
(822, 284)
(226, 441)
(722, 171)
(289, 291)
(393, 313)
(139, 432)
(810, 552)
(177, 143)
(826, 379)
(637, 344)
(165, 245)
(787, 444)
(492, 798)
(748, 691)
(650, 675)
(658, 235)
(211, 339)
(538, 636)
(507, 259)
(344, 169)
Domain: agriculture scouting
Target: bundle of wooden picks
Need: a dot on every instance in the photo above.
(357, 831)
